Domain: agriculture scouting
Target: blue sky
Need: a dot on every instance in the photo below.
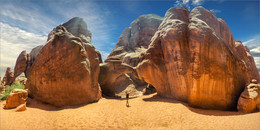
(26, 24)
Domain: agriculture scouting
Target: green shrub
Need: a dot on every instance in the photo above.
(9, 89)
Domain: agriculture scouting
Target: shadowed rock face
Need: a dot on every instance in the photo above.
(66, 70)
(117, 73)
(21, 64)
(9, 76)
(193, 58)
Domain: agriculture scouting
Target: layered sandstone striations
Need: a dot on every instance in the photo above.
(117, 73)
(193, 58)
(66, 69)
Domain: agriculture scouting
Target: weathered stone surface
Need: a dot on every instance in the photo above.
(77, 27)
(25, 61)
(9, 76)
(132, 42)
(249, 99)
(192, 57)
(21, 64)
(246, 57)
(21, 107)
(31, 58)
(65, 71)
(16, 98)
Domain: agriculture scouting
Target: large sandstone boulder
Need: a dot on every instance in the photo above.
(193, 58)
(16, 98)
(117, 74)
(249, 100)
(9, 76)
(65, 71)
(31, 58)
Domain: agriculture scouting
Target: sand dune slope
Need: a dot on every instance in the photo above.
(147, 112)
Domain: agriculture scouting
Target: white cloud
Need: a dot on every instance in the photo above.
(197, 2)
(28, 18)
(255, 51)
(104, 55)
(21, 24)
(12, 42)
(253, 40)
(188, 3)
(215, 11)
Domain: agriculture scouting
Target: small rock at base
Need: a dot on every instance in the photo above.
(22, 107)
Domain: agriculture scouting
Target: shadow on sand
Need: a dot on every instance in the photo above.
(32, 103)
(156, 98)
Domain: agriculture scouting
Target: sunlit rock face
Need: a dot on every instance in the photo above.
(65, 71)
(117, 73)
(193, 58)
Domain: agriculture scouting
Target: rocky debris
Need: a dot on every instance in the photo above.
(149, 89)
(192, 57)
(112, 78)
(66, 69)
(21, 107)
(9, 77)
(16, 98)
(132, 42)
(21, 78)
(249, 100)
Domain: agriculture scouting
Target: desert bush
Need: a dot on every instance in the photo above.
(9, 89)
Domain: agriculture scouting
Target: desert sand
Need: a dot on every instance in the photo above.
(146, 112)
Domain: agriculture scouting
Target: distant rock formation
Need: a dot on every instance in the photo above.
(249, 100)
(248, 60)
(193, 58)
(21, 64)
(117, 72)
(66, 69)
(25, 61)
(9, 77)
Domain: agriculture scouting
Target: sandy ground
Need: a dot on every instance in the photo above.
(147, 112)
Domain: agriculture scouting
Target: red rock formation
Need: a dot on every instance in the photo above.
(21, 107)
(65, 71)
(114, 79)
(249, 100)
(9, 76)
(192, 57)
(246, 57)
(16, 98)
(21, 64)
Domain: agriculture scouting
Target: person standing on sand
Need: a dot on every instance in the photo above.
(127, 97)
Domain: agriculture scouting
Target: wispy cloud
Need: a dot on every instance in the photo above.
(26, 25)
(14, 40)
(215, 11)
(188, 3)
(253, 45)
(197, 2)
(255, 51)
